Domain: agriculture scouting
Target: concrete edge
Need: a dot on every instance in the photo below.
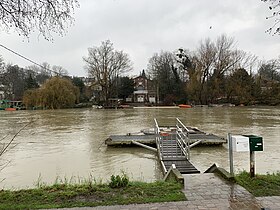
(173, 174)
(220, 171)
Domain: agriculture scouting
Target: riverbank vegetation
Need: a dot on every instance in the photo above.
(216, 72)
(90, 193)
(40, 88)
(55, 93)
(260, 185)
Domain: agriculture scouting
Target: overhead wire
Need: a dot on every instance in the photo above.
(31, 61)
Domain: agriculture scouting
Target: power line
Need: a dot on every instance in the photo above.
(37, 64)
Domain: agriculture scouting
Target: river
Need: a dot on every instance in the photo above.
(69, 143)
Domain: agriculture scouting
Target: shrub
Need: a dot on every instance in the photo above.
(119, 181)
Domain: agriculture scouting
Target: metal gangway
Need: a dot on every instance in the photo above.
(173, 146)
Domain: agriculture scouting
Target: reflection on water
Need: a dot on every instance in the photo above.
(70, 143)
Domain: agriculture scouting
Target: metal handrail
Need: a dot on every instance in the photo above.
(179, 121)
(182, 139)
(159, 142)
(158, 139)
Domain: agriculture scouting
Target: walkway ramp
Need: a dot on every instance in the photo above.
(173, 148)
(183, 165)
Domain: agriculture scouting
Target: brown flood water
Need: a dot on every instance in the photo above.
(70, 143)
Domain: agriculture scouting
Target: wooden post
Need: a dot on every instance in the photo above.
(252, 163)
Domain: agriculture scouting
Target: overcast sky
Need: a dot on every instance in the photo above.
(144, 27)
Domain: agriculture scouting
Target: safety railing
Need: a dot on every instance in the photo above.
(158, 137)
(159, 144)
(164, 139)
(182, 138)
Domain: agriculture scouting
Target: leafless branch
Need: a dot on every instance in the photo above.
(4, 166)
(274, 6)
(47, 16)
(5, 148)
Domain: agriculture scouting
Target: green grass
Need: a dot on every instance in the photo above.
(90, 194)
(260, 185)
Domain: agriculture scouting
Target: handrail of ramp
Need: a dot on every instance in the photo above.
(175, 146)
(182, 134)
(159, 144)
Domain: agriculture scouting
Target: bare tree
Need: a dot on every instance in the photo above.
(205, 65)
(60, 70)
(104, 64)
(162, 64)
(274, 6)
(41, 72)
(13, 80)
(167, 76)
(270, 70)
(47, 16)
(213, 62)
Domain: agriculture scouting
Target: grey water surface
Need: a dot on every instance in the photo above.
(69, 143)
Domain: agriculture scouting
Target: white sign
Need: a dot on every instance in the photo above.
(240, 143)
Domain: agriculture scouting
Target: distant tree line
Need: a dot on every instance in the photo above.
(15, 80)
(216, 72)
(47, 86)
(40, 87)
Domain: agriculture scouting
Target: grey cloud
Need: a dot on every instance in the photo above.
(144, 27)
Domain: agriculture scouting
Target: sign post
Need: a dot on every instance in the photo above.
(256, 144)
(230, 154)
(244, 143)
(252, 163)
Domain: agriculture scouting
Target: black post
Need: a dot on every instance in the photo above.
(252, 163)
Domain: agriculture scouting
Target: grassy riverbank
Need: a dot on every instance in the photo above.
(90, 194)
(261, 185)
